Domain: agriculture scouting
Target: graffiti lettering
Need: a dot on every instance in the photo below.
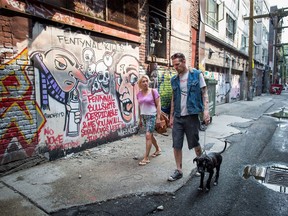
(99, 98)
(54, 140)
(91, 138)
(89, 124)
(18, 5)
(54, 115)
(115, 127)
(102, 106)
(125, 131)
(63, 18)
(94, 130)
(102, 117)
(68, 145)
(90, 43)
(48, 131)
(104, 114)
(114, 120)
(39, 11)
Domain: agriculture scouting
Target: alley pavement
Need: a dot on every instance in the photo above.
(109, 171)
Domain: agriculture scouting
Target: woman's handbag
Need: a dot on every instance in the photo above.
(164, 120)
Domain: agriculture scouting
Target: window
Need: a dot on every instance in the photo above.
(255, 27)
(211, 15)
(230, 27)
(243, 42)
(265, 34)
(157, 29)
(124, 12)
(256, 49)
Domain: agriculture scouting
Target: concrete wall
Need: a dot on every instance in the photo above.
(88, 84)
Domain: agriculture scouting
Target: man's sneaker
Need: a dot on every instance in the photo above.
(197, 174)
(176, 175)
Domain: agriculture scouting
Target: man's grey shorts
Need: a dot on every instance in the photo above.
(188, 125)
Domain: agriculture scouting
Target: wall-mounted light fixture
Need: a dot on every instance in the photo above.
(211, 51)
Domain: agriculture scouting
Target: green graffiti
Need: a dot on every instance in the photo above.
(165, 89)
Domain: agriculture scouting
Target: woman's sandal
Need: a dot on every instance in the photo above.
(155, 154)
(144, 162)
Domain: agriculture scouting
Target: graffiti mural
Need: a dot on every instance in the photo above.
(235, 88)
(126, 76)
(87, 87)
(60, 72)
(165, 89)
(19, 127)
(222, 87)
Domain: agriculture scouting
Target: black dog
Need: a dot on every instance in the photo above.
(207, 162)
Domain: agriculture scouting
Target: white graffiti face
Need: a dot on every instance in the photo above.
(88, 55)
(104, 79)
(126, 79)
(95, 86)
(64, 67)
(108, 60)
(91, 70)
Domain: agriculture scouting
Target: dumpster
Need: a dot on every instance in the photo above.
(276, 89)
(211, 85)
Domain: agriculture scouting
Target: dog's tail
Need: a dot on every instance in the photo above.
(224, 147)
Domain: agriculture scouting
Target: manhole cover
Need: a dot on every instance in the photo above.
(274, 177)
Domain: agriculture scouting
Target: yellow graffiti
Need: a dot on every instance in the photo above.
(15, 80)
(16, 108)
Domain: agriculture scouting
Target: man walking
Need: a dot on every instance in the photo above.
(189, 98)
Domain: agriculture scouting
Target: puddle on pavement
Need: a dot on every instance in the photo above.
(282, 113)
(274, 177)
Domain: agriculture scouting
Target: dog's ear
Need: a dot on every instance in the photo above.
(195, 159)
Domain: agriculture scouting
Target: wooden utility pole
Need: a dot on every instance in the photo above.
(251, 46)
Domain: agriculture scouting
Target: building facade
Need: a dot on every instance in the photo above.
(69, 69)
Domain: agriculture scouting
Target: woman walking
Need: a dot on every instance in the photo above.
(149, 110)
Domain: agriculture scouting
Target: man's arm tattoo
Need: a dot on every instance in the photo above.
(205, 98)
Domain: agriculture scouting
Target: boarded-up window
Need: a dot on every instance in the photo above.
(93, 8)
(124, 12)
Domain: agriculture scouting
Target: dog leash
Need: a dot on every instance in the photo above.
(204, 145)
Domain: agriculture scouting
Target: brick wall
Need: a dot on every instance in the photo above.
(195, 13)
(143, 28)
(194, 55)
(18, 125)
